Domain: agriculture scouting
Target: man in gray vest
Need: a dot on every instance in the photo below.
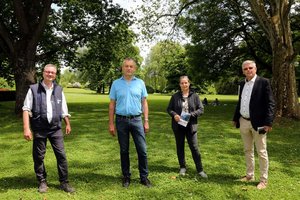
(44, 108)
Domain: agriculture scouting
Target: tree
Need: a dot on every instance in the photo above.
(221, 31)
(33, 33)
(102, 57)
(274, 18)
(164, 65)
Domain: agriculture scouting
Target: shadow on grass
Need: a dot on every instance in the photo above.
(24, 181)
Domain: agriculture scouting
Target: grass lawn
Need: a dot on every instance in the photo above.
(94, 164)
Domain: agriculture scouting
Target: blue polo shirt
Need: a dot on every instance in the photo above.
(128, 96)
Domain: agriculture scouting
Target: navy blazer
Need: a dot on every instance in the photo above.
(262, 104)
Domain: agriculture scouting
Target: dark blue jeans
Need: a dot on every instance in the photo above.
(136, 128)
(180, 135)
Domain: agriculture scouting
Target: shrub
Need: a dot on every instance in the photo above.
(150, 89)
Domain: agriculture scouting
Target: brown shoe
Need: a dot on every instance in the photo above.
(262, 185)
(247, 179)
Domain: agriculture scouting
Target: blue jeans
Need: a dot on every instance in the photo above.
(136, 128)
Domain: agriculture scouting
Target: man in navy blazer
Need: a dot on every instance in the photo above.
(254, 115)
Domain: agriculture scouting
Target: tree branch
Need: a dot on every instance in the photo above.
(7, 39)
(259, 12)
(186, 5)
(21, 17)
(42, 22)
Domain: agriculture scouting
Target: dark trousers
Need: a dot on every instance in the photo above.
(39, 150)
(180, 135)
(135, 127)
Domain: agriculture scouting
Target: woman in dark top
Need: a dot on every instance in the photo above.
(184, 108)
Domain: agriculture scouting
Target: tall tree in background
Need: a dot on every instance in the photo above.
(19, 38)
(165, 63)
(274, 18)
(221, 31)
(101, 59)
(33, 33)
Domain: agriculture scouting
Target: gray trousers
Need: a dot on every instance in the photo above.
(39, 150)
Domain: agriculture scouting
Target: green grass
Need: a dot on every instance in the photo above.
(94, 165)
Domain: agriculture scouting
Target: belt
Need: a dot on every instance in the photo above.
(248, 119)
(128, 116)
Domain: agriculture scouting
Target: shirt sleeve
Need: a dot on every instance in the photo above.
(28, 101)
(144, 90)
(112, 93)
(64, 107)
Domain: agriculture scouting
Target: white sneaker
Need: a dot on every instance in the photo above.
(203, 175)
(182, 171)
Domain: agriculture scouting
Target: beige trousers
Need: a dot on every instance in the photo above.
(251, 137)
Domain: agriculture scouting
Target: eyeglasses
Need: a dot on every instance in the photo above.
(49, 72)
(246, 68)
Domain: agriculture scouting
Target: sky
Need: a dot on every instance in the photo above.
(131, 5)
(128, 4)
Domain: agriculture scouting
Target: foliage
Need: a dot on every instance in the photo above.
(227, 85)
(5, 84)
(150, 89)
(69, 77)
(33, 33)
(94, 163)
(101, 59)
(164, 65)
(224, 33)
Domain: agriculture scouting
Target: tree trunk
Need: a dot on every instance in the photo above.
(275, 21)
(25, 74)
(284, 84)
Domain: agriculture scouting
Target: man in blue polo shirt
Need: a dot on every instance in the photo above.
(128, 101)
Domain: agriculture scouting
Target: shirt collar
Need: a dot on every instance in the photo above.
(46, 87)
(252, 80)
(133, 78)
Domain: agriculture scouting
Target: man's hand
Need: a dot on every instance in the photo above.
(111, 129)
(68, 129)
(146, 126)
(27, 135)
(268, 128)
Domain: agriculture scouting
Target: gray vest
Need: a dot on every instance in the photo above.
(39, 121)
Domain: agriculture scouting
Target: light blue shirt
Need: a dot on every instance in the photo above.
(128, 96)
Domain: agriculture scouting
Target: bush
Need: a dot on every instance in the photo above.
(74, 85)
(150, 89)
(227, 86)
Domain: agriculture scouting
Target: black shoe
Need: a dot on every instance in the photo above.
(146, 182)
(43, 187)
(66, 187)
(126, 182)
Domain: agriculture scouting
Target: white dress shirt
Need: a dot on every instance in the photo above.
(29, 101)
(246, 95)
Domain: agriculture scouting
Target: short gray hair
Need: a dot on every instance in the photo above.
(51, 65)
(249, 62)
